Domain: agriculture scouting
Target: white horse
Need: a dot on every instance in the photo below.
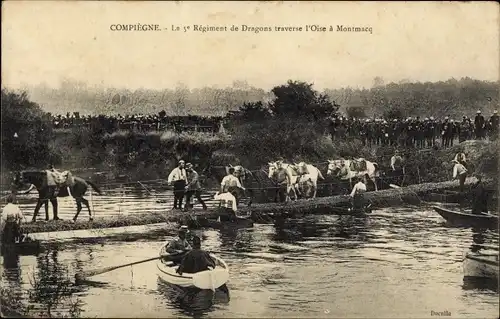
(296, 175)
(349, 169)
(309, 173)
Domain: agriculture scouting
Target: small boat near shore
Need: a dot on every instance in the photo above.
(481, 265)
(208, 279)
(467, 219)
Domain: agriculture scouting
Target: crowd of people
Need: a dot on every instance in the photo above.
(141, 122)
(417, 132)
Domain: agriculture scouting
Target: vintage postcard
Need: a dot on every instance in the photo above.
(270, 159)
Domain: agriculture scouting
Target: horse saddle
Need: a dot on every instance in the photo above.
(60, 179)
(358, 165)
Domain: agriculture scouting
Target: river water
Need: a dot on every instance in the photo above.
(395, 263)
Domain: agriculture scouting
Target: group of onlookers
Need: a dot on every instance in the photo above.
(417, 132)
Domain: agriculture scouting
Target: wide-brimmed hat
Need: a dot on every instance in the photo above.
(478, 112)
(189, 165)
(181, 161)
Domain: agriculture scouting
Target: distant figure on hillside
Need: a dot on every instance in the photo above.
(494, 125)
(479, 124)
(178, 178)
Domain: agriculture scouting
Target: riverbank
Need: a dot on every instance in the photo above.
(260, 213)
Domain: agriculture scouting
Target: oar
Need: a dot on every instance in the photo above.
(95, 272)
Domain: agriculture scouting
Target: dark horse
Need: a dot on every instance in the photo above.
(46, 193)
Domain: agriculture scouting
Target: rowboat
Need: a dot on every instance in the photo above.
(481, 265)
(27, 247)
(468, 220)
(208, 279)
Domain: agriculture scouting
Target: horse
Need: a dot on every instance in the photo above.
(308, 174)
(297, 175)
(349, 169)
(45, 193)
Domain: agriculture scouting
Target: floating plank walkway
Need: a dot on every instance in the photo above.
(259, 212)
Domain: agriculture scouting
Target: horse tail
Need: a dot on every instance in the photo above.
(94, 187)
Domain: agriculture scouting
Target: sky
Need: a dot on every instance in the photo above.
(47, 41)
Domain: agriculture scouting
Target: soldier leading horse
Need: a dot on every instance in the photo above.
(46, 193)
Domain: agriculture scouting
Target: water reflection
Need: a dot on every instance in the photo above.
(52, 287)
(347, 227)
(192, 301)
(482, 239)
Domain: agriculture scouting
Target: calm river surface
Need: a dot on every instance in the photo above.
(395, 263)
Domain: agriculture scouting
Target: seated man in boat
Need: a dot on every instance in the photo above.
(357, 196)
(10, 222)
(479, 197)
(196, 260)
(178, 245)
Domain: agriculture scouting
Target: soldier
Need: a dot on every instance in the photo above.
(479, 125)
(444, 129)
(494, 125)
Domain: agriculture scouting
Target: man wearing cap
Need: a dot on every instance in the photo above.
(193, 187)
(479, 124)
(178, 178)
(459, 171)
(179, 245)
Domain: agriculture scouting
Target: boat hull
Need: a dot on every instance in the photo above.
(468, 220)
(208, 279)
(481, 266)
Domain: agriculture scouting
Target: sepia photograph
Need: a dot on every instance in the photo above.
(249, 159)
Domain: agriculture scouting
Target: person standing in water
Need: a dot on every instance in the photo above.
(178, 178)
(193, 188)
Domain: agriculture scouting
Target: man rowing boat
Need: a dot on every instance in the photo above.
(180, 245)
